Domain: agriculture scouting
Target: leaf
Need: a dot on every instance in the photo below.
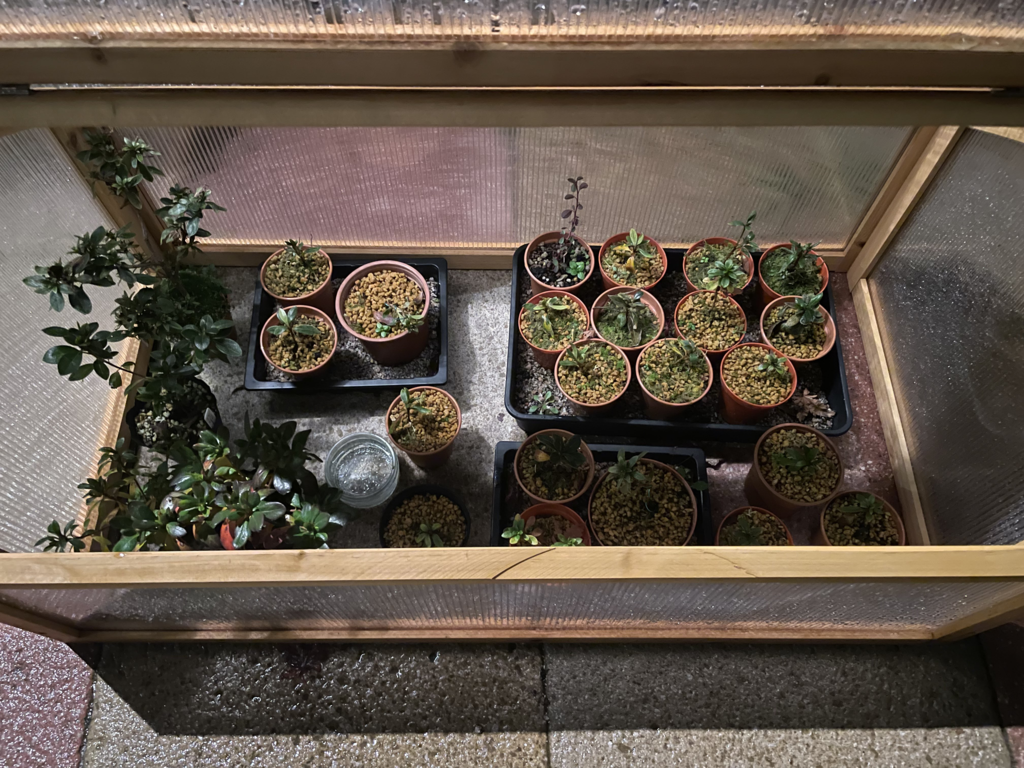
(81, 373)
(176, 530)
(54, 354)
(566, 213)
(69, 362)
(274, 330)
(56, 301)
(127, 544)
(115, 380)
(80, 300)
(241, 536)
(282, 316)
(101, 369)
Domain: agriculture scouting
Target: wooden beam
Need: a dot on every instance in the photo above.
(756, 60)
(889, 413)
(1017, 134)
(359, 566)
(902, 203)
(30, 622)
(505, 107)
(1000, 612)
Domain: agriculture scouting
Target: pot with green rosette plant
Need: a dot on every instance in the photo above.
(798, 327)
(423, 422)
(628, 318)
(641, 502)
(297, 274)
(712, 320)
(554, 466)
(593, 374)
(632, 260)
(547, 525)
(754, 381)
(561, 260)
(424, 517)
(551, 321)
(721, 264)
(791, 269)
(795, 468)
(752, 527)
(673, 374)
(859, 519)
(299, 341)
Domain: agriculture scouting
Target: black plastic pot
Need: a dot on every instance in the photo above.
(418, 490)
(139, 407)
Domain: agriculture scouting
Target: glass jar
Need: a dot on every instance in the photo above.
(364, 467)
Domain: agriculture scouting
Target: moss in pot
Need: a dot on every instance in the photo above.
(426, 520)
(424, 421)
(721, 266)
(565, 261)
(554, 467)
(674, 370)
(543, 530)
(797, 328)
(300, 341)
(592, 372)
(800, 465)
(626, 321)
(752, 527)
(554, 322)
(792, 270)
(384, 304)
(635, 261)
(710, 319)
(860, 519)
(296, 270)
(641, 502)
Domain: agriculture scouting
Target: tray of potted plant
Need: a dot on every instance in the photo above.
(669, 485)
(714, 320)
(389, 319)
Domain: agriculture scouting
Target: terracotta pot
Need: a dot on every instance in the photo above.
(748, 265)
(820, 538)
(322, 298)
(609, 282)
(733, 408)
(394, 350)
(597, 407)
(265, 338)
(714, 355)
(425, 459)
(830, 330)
(766, 294)
(667, 468)
(728, 518)
(536, 286)
(649, 301)
(546, 358)
(558, 510)
(762, 493)
(586, 453)
(420, 490)
(655, 407)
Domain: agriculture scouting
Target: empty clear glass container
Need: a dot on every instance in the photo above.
(364, 467)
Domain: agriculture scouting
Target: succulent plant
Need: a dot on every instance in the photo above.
(624, 472)
(517, 533)
(774, 364)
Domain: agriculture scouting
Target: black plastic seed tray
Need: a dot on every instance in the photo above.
(509, 499)
(828, 376)
(256, 368)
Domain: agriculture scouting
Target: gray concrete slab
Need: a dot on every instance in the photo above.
(714, 705)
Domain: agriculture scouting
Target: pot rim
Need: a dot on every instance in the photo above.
(302, 308)
(547, 237)
(789, 365)
(622, 236)
(384, 265)
(548, 509)
(648, 299)
(736, 304)
(629, 373)
(738, 510)
(586, 452)
(387, 421)
(544, 294)
(898, 519)
(640, 380)
(756, 464)
(829, 324)
(295, 299)
(748, 268)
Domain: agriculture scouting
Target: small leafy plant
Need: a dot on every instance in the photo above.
(626, 320)
(428, 536)
(544, 403)
(580, 357)
(547, 311)
(723, 266)
(558, 452)
(123, 168)
(564, 541)
(725, 276)
(744, 533)
(277, 455)
(774, 365)
(862, 507)
(516, 533)
(291, 323)
(745, 242)
(59, 539)
(413, 404)
(310, 525)
(793, 270)
(397, 319)
(799, 459)
(564, 262)
(683, 354)
(625, 472)
(634, 261)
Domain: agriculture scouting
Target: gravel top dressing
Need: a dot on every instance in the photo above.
(859, 520)
(426, 516)
(799, 465)
(802, 341)
(658, 513)
(753, 528)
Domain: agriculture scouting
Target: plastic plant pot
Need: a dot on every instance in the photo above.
(425, 459)
(546, 357)
(558, 510)
(736, 410)
(584, 448)
(830, 330)
(732, 516)
(420, 490)
(765, 293)
(820, 538)
(654, 406)
(536, 286)
(610, 282)
(322, 297)
(265, 338)
(595, 408)
(649, 301)
(748, 263)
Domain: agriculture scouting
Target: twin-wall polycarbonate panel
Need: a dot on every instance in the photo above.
(507, 19)
(498, 187)
(51, 427)
(949, 295)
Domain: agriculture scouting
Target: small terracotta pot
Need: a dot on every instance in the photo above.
(820, 538)
(728, 518)
(830, 330)
(546, 357)
(322, 298)
(766, 294)
(734, 409)
(558, 510)
(394, 350)
(649, 301)
(762, 493)
(265, 338)
(654, 406)
(714, 355)
(427, 459)
(748, 264)
(530, 441)
(609, 282)
(665, 467)
(597, 407)
(536, 286)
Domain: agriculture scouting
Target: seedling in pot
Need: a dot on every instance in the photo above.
(799, 459)
(725, 276)
(797, 327)
(553, 467)
(564, 541)
(624, 472)
(674, 370)
(517, 534)
(799, 465)
(722, 266)
(792, 270)
(413, 404)
(565, 262)
(710, 319)
(423, 420)
(626, 321)
(745, 533)
(753, 528)
(859, 518)
(426, 520)
(544, 404)
(775, 365)
(756, 375)
(553, 323)
(428, 536)
(395, 319)
(683, 354)
(862, 506)
(291, 323)
(580, 357)
(641, 504)
(633, 261)
(297, 271)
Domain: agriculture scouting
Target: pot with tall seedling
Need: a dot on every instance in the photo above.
(633, 260)
(554, 466)
(299, 274)
(424, 422)
(385, 304)
(712, 320)
(628, 318)
(754, 381)
(641, 502)
(752, 527)
(593, 374)
(859, 519)
(551, 321)
(798, 327)
(795, 468)
(722, 264)
(791, 269)
(299, 341)
(547, 525)
(561, 260)
(673, 374)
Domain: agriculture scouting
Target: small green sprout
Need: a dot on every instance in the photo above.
(428, 535)
(516, 533)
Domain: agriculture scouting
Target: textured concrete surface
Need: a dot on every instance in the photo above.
(44, 697)
(1004, 651)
